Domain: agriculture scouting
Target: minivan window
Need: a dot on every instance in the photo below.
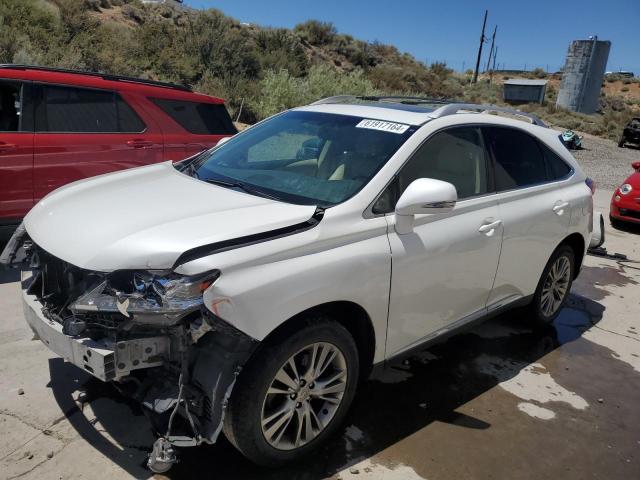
(10, 106)
(455, 155)
(518, 159)
(198, 118)
(304, 157)
(81, 110)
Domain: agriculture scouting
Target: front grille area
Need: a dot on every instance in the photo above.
(630, 213)
(57, 283)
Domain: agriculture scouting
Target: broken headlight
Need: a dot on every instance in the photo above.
(146, 296)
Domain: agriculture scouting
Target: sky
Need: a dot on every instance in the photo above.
(530, 33)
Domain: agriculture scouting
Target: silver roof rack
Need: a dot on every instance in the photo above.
(335, 99)
(449, 107)
(383, 98)
(454, 108)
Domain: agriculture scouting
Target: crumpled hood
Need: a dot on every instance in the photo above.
(147, 217)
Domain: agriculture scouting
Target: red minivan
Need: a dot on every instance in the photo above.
(58, 126)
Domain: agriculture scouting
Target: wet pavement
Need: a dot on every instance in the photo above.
(501, 401)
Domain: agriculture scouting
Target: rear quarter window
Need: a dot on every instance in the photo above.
(557, 167)
(198, 118)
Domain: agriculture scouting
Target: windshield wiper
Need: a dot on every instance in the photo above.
(240, 185)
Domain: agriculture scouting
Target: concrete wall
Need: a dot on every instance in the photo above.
(583, 75)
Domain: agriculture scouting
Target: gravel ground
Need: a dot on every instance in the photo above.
(603, 161)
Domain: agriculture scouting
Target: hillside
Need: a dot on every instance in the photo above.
(258, 70)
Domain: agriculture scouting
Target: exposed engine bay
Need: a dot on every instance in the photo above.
(147, 331)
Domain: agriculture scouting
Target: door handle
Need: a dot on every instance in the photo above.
(5, 147)
(559, 207)
(139, 143)
(489, 228)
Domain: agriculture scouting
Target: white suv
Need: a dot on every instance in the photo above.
(252, 287)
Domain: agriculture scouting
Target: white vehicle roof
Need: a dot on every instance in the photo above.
(408, 110)
(385, 112)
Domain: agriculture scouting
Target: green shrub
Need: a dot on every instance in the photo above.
(280, 90)
(316, 32)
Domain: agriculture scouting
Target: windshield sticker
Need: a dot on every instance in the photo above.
(383, 126)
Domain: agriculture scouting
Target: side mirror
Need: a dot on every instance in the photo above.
(222, 141)
(636, 166)
(424, 195)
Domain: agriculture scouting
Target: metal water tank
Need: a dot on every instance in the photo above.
(583, 75)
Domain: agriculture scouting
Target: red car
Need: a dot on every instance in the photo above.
(625, 203)
(58, 126)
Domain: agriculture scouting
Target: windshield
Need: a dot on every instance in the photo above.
(303, 157)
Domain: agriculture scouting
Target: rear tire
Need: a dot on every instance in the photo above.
(554, 286)
(314, 404)
(621, 142)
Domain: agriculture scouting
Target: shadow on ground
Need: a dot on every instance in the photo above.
(8, 275)
(627, 227)
(397, 402)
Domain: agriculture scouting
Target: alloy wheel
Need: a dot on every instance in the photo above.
(304, 396)
(555, 286)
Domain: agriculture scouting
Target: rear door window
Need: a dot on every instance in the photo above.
(519, 161)
(81, 110)
(198, 118)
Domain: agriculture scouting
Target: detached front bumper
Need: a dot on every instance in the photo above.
(104, 359)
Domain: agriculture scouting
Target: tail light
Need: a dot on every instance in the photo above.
(591, 184)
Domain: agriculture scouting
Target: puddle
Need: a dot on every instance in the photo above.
(599, 282)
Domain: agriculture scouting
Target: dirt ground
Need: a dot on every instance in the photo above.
(605, 162)
(502, 401)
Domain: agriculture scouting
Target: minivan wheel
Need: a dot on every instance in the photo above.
(294, 393)
(554, 286)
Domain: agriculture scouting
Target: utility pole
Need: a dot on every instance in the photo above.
(493, 67)
(484, 24)
(493, 39)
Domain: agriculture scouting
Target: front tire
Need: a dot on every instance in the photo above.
(554, 286)
(621, 142)
(294, 393)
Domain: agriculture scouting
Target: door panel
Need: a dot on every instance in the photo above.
(442, 272)
(535, 210)
(534, 225)
(16, 174)
(62, 158)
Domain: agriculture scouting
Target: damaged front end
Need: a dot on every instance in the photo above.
(147, 331)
